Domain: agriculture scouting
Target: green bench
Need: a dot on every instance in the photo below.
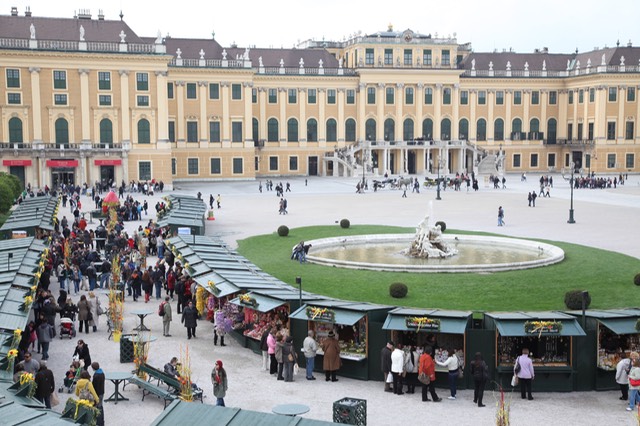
(171, 382)
(150, 388)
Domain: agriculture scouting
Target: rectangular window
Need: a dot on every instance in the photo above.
(331, 96)
(192, 166)
(214, 131)
(631, 94)
(553, 97)
(371, 95)
(390, 96)
(192, 131)
(570, 131)
(388, 56)
(192, 91)
(13, 78)
(499, 97)
(570, 97)
(172, 131)
(293, 96)
(535, 97)
(273, 96)
(143, 100)
(580, 96)
(368, 57)
(428, 96)
(408, 56)
(254, 96)
(630, 161)
(59, 79)
(426, 57)
(517, 97)
(312, 96)
(590, 130)
(464, 97)
(551, 159)
(628, 130)
(293, 164)
(408, 95)
(256, 163)
(611, 130)
(611, 161)
(104, 80)
(215, 166)
(273, 163)
(104, 100)
(170, 90)
(516, 160)
(174, 166)
(580, 128)
(236, 131)
(59, 99)
(446, 96)
(482, 97)
(14, 99)
(534, 160)
(592, 95)
(144, 170)
(236, 92)
(142, 81)
(351, 96)
(613, 94)
(446, 57)
(214, 91)
(237, 166)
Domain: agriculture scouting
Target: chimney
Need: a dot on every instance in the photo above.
(629, 44)
(27, 12)
(84, 14)
(100, 15)
(14, 11)
(545, 49)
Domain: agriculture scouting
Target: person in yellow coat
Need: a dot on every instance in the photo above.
(85, 389)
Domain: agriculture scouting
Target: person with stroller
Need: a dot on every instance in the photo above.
(82, 353)
(85, 314)
(71, 376)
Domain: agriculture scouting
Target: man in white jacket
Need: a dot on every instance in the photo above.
(309, 348)
(622, 376)
(397, 367)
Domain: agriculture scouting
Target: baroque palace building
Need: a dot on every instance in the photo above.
(86, 99)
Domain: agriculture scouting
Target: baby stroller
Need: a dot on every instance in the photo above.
(71, 377)
(67, 328)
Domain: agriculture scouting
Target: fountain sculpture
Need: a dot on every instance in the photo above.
(428, 242)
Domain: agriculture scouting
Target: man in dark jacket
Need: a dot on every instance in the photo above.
(385, 360)
(105, 270)
(190, 319)
(98, 385)
(45, 385)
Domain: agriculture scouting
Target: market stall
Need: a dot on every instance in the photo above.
(357, 327)
(549, 336)
(34, 217)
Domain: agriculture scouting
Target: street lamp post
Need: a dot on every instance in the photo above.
(438, 187)
(299, 282)
(571, 180)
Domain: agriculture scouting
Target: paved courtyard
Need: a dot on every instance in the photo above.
(606, 219)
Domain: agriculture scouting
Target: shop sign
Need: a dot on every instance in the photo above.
(107, 162)
(550, 327)
(245, 299)
(62, 163)
(422, 323)
(9, 163)
(316, 313)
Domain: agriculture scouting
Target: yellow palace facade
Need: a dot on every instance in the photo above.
(86, 99)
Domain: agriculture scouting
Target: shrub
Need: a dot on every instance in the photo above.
(443, 225)
(6, 197)
(14, 184)
(344, 223)
(283, 230)
(398, 290)
(636, 279)
(573, 300)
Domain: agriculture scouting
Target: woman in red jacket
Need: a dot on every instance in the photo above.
(428, 367)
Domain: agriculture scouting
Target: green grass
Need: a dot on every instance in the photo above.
(608, 276)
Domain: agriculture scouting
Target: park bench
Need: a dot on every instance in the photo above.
(150, 388)
(171, 382)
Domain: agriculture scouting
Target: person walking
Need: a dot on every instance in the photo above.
(85, 314)
(397, 369)
(451, 363)
(45, 336)
(525, 373)
(331, 362)
(167, 317)
(533, 198)
(218, 201)
(427, 366)
(45, 385)
(310, 348)
(190, 320)
(385, 365)
(98, 386)
(480, 373)
(220, 384)
(500, 216)
(264, 347)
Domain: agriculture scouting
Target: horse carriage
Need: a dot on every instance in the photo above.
(380, 184)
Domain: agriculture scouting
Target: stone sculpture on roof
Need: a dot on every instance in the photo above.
(81, 33)
(32, 30)
(122, 36)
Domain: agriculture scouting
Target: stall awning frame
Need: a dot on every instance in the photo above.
(341, 316)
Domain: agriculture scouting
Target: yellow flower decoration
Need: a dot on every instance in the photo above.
(12, 353)
(17, 332)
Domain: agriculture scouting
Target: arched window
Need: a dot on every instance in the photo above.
(516, 129)
(498, 129)
(272, 130)
(62, 132)
(389, 129)
(534, 125)
(481, 130)
(144, 135)
(312, 130)
(445, 129)
(332, 131)
(106, 132)
(427, 129)
(255, 130)
(370, 129)
(292, 130)
(552, 125)
(407, 130)
(463, 129)
(15, 130)
(350, 130)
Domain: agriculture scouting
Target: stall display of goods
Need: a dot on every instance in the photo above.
(611, 346)
(544, 351)
(257, 322)
(352, 339)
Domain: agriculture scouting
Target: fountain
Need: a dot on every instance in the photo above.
(428, 242)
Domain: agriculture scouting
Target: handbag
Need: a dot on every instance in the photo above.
(389, 378)
(290, 358)
(296, 369)
(514, 380)
(460, 370)
(424, 378)
(634, 382)
(100, 311)
(90, 316)
(517, 367)
(54, 399)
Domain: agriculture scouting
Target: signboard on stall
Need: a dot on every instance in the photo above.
(539, 327)
(422, 323)
(316, 313)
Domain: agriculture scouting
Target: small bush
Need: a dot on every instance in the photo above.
(6, 196)
(573, 300)
(283, 230)
(398, 290)
(636, 279)
(443, 225)
(344, 223)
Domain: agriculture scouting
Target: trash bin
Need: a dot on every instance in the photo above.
(126, 348)
(350, 411)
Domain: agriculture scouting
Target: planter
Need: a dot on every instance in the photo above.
(116, 336)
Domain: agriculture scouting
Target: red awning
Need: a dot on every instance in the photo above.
(107, 162)
(62, 163)
(16, 163)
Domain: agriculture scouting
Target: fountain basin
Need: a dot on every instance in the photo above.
(384, 252)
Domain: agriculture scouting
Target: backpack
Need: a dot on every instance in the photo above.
(85, 393)
(161, 309)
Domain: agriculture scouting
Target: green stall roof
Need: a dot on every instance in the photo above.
(265, 304)
(341, 316)
(512, 323)
(451, 322)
